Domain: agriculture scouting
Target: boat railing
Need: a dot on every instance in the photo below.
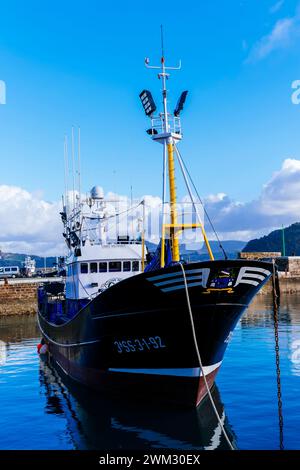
(115, 242)
(158, 125)
(130, 242)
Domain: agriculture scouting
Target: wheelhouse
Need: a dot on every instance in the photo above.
(97, 266)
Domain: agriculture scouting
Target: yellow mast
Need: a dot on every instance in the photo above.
(173, 203)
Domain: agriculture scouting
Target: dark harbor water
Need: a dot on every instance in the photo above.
(40, 411)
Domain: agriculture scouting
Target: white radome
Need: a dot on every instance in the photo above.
(97, 192)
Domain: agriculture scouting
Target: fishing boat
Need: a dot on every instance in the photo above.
(154, 328)
(29, 267)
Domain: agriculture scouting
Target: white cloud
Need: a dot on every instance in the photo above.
(283, 33)
(278, 204)
(28, 223)
(31, 225)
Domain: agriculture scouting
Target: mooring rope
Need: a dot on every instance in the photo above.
(276, 297)
(200, 360)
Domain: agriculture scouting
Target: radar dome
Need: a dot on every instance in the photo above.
(97, 192)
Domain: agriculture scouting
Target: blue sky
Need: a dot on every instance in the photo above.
(81, 63)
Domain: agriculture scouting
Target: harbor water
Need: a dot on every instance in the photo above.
(40, 410)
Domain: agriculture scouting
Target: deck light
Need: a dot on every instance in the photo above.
(147, 102)
(151, 131)
(180, 103)
(74, 239)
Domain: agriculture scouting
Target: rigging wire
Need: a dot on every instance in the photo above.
(115, 215)
(73, 167)
(200, 360)
(79, 164)
(67, 170)
(120, 214)
(203, 205)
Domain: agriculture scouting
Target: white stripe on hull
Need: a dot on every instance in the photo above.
(182, 286)
(172, 281)
(183, 372)
(255, 276)
(178, 273)
(252, 275)
(247, 281)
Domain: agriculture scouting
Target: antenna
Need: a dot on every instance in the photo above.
(73, 167)
(162, 40)
(164, 76)
(131, 204)
(114, 181)
(79, 165)
(66, 171)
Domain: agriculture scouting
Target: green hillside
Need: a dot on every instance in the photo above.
(274, 241)
(17, 259)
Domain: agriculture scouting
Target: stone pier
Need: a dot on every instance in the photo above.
(18, 299)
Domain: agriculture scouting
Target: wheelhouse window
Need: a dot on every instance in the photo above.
(126, 266)
(93, 268)
(114, 266)
(135, 265)
(84, 268)
(102, 267)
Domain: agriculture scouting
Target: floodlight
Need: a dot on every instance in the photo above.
(151, 131)
(147, 102)
(180, 103)
(74, 239)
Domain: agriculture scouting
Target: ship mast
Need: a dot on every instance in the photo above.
(166, 129)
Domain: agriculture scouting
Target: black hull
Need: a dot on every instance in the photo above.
(136, 337)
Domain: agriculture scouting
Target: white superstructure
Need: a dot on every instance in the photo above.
(97, 258)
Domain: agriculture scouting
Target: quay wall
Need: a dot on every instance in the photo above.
(18, 299)
(288, 284)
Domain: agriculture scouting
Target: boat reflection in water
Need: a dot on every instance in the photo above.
(98, 422)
